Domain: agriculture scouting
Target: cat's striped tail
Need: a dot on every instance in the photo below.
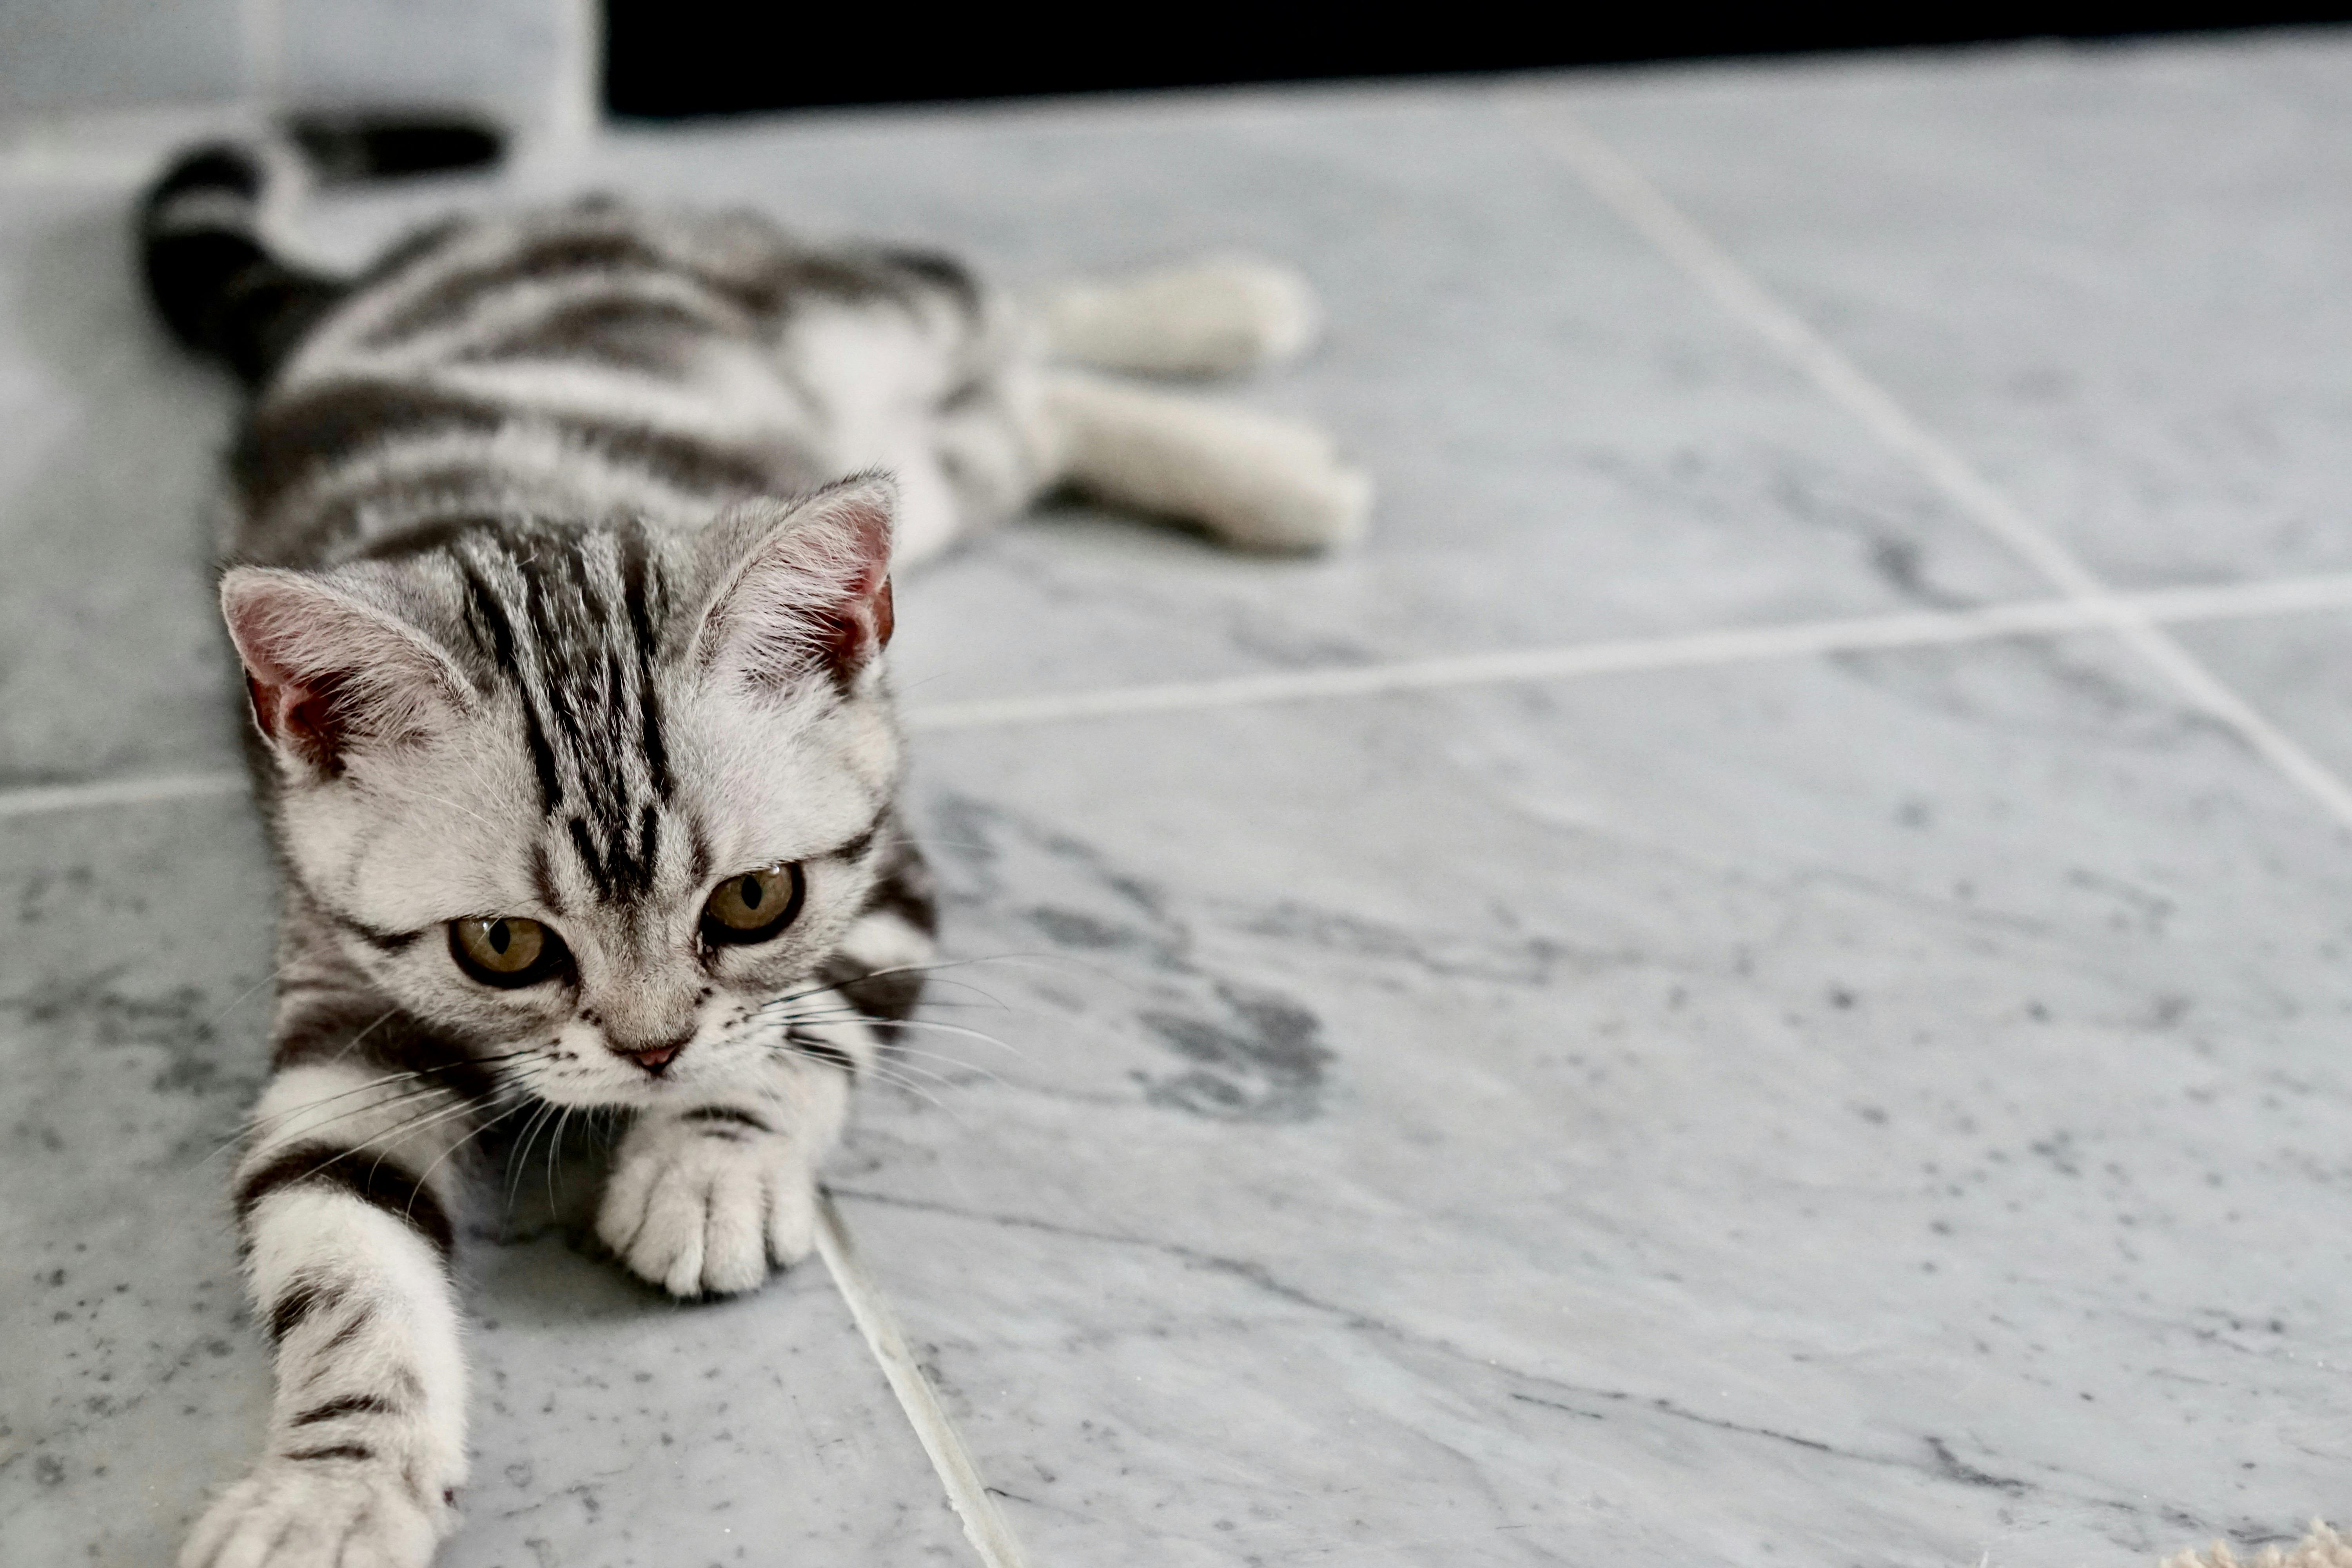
(210, 271)
(210, 268)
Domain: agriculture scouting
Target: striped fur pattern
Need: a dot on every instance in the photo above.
(560, 549)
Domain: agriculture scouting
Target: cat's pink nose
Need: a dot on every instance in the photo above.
(656, 1060)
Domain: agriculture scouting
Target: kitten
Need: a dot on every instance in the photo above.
(562, 549)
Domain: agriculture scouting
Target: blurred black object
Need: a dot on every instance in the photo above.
(388, 143)
(710, 56)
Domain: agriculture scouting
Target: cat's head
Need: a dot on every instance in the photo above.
(593, 803)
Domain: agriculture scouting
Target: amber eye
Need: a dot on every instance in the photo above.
(753, 906)
(506, 950)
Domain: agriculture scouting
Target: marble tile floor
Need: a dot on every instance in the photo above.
(1758, 979)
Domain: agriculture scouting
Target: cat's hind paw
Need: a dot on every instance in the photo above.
(1255, 480)
(1218, 317)
(701, 1206)
(325, 1511)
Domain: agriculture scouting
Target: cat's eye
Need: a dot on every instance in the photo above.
(506, 950)
(753, 906)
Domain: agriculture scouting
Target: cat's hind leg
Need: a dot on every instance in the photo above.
(344, 1199)
(1253, 479)
(1217, 317)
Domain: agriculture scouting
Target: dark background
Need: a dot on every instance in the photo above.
(709, 56)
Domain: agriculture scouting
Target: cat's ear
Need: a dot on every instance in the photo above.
(329, 672)
(799, 589)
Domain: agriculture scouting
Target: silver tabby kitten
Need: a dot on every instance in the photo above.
(562, 551)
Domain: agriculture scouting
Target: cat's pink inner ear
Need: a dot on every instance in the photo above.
(814, 589)
(326, 673)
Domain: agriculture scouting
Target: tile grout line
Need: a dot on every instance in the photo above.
(1626, 655)
(968, 1493)
(1732, 645)
(42, 799)
(1644, 207)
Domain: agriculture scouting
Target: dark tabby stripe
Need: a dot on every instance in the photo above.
(343, 1336)
(213, 282)
(291, 442)
(824, 1051)
(303, 1296)
(368, 1177)
(335, 1451)
(901, 277)
(494, 634)
(338, 1025)
(571, 631)
(727, 1113)
(385, 942)
(640, 606)
(651, 336)
(448, 301)
(942, 272)
(348, 1405)
(764, 294)
(542, 877)
(904, 888)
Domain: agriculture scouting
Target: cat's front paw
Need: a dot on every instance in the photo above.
(699, 1205)
(322, 1513)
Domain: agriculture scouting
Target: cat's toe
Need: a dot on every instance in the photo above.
(707, 1219)
(319, 1513)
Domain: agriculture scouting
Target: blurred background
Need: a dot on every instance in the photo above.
(549, 64)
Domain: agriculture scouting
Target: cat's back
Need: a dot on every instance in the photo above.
(587, 362)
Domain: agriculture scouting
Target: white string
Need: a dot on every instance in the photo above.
(967, 1492)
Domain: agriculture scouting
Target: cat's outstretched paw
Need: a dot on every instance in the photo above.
(700, 1204)
(322, 1513)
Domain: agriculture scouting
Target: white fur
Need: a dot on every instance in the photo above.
(391, 1334)
(1218, 317)
(317, 1515)
(702, 1207)
(1255, 480)
(877, 379)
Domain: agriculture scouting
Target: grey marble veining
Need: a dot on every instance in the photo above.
(1871, 1112)
(2119, 277)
